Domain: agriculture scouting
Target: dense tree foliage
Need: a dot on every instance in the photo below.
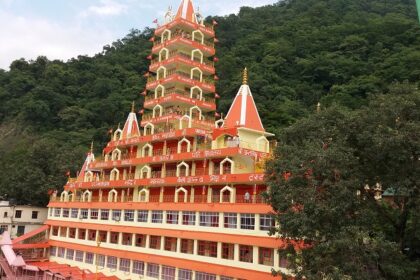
(299, 52)
(334, 161)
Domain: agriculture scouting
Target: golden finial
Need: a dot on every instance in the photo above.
(318, 107)
(91, 147)
(245, 77)
(132, 107)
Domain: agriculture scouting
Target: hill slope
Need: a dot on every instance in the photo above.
(299, 52)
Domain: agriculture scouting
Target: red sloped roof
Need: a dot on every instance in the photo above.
(131, 126)
(186, 11)
(243, 111)
(66, 271)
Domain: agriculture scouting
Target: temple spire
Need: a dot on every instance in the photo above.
(245, 77)
(132, 107)
(186, 11)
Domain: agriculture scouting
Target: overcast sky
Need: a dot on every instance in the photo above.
(61, 29)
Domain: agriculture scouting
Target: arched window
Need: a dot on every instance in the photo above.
(219, 123)
(181, 195)
(117, 134)
(149, 129)
(116, 154)
(196, 74)
(89, 176)
(196, 92)
(226, 195)
(157, 111)
(182, 169)
(144, 195)
(145, 172)
(159, 91)
(115, 175)
(147, 150)
(163, 54)
(166, 35)
(198, 36)
(197, 55)
(184, 146)
(87, 196)
(184, 122)
(161, 73)
(226, 166)
(195, 113)
(64, 197)
(113, 196)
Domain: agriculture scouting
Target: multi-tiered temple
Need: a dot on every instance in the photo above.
(177, 195)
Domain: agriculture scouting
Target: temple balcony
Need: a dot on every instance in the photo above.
(177, 118)
(184, 41)
(207, 30)
(173, 58)
(175, 97)
(173, 77)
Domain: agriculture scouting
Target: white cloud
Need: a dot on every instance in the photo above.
(30, 37)
(106, 8)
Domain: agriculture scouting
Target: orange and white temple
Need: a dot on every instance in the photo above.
(176, 195)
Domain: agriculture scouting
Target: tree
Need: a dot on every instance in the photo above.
(324, 183)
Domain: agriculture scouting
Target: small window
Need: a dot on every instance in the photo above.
(184, 274)
(247, 221)
(5, 214)
(230, 220)
(209, 219)
(207, 248)
(79, 256)
(70, 254)
(142, 216)
(66, 212)
(266, 222)
(187, 246)
(204, 276)
(84, 213)
(20, 230)
(228, 250)
(94, 214)
(89, 258)
(245, 253)
(138, 267)
(155, 242)
(153, 270)
(129, 215)
(100, 260)
(34, 214)
(18, 214)
(157, 217)
(172, 217)
(125, 265)
(168, 272)
(74, 213)
(111, 262)
(104, 214)
(188, 218)
(116, 215)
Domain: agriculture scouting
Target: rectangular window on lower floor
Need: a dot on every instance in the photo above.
(154, 242)
(266, 256)
(245, 253)
(61, 252)
(114, 237)
(140, 240)
(168, 273)
(207, 248)
(70, 254)
(188, 218)
(127, 239)
(92, 234)
(172, 217)
(66, 212)
(124, 265)
(116, 215)
(57, 212)
(153, 270)
(247, 221)
(79, 256)
(53, 251)
(72, 232)
(187, 246)
(74, 213)
(230, 220)
(129, 215)
(111, 262)
(204, 276)
(170, 244)
(84, 213)
(184, 274)
(54, 231)
(94, 213)
(266, 222)
(157, 217)
(138, 267)
(100, 260)
(89, 258)
(225, 278)
(142, 216)
(82, 233)
(228, 250)
(104, 214)
(209, 219)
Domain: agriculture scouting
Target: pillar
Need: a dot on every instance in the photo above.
(236, 252)
(255, 254)
(219, 250)
(162, 189)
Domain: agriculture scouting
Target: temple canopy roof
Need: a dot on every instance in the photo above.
(186, 11)
(243, 111)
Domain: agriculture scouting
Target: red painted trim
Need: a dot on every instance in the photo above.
(176, 78)
(170, 261)
(177, 97)
(180, 59)
(29, 234)
(172, 206)
(31, 246)
(246, 178)
(268, 242)
(180, 21)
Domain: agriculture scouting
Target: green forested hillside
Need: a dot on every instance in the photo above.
(299, 52)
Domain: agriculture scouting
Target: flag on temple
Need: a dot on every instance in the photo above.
(149, 57)
(155, 21)
(144, 93)
(146, 74)
(68, 173)
(216, 114)
(141, 111)
(152, 39)
(215, 22)
(215, 59)
(216, 40)
(216, 95)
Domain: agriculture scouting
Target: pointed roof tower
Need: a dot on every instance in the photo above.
(131, 126)
(243, 111)
(90, 157)
(186, 11)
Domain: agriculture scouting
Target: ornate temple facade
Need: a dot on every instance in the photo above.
(176, 195)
